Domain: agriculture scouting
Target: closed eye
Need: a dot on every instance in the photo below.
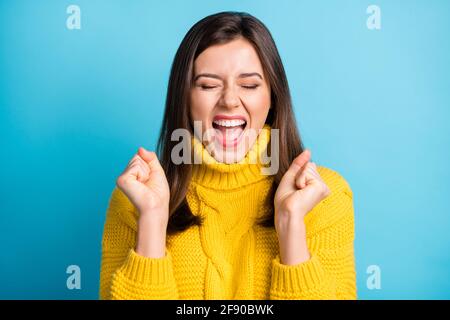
(204, 87)
(207, 87)
(251, 87)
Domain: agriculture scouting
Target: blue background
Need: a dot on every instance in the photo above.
(76, 104)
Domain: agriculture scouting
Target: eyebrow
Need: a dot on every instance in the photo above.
(215, 76)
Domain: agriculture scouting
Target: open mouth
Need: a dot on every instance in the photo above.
(229, 131)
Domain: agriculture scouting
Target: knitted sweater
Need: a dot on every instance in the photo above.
(230, 256)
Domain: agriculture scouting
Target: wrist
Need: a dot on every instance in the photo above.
(154, 216)
(289, 222)
(151, 236)
(292, 243)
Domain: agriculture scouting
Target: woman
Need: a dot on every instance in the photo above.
(221, 228)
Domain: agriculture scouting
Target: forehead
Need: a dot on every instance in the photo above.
(235, 56)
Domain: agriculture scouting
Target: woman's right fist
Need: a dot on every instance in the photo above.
(145, 184)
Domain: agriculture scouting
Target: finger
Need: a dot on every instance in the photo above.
(138, 171)
(300, 176)
(147, 156)
(143, 164)
(304, 176)
(316, 172)
(299, 162)
(302, 159)
(313, 170)
(131, 173)
(132, 160)
(151, 159)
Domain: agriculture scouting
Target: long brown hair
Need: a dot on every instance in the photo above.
(215, 29)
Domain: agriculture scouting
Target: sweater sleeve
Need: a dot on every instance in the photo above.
(330, 272)
(124, 274)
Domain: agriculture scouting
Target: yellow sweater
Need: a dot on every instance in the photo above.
(229, 257)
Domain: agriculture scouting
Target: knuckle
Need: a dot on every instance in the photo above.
(142, 161)
(120, 181)
(326, 190)
(133, 165)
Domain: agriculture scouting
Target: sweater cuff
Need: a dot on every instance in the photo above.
(140, 269)
(289, 280)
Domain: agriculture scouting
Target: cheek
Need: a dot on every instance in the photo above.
(201, 106)
(258, 107)
(258, 102)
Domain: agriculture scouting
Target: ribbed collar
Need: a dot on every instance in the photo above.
(221, 176)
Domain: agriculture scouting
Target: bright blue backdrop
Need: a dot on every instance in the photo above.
(76, 104)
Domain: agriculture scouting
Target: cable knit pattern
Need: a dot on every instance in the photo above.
(229, 256)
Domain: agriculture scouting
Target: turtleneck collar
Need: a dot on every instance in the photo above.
(218, 175)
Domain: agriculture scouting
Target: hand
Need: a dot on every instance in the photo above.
(299, 191)
(144, 183)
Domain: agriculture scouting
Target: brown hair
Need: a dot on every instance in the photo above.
(221, 28)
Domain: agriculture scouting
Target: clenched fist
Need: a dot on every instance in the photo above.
(299, 191)
(145, 184)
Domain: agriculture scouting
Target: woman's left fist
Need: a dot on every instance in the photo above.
(299, 191)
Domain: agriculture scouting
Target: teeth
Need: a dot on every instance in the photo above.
(229, 123)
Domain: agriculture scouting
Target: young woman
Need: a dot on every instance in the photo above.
(221, 228)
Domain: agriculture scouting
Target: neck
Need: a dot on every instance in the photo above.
(218, 175)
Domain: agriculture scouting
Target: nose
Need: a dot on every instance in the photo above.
(230, 98)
